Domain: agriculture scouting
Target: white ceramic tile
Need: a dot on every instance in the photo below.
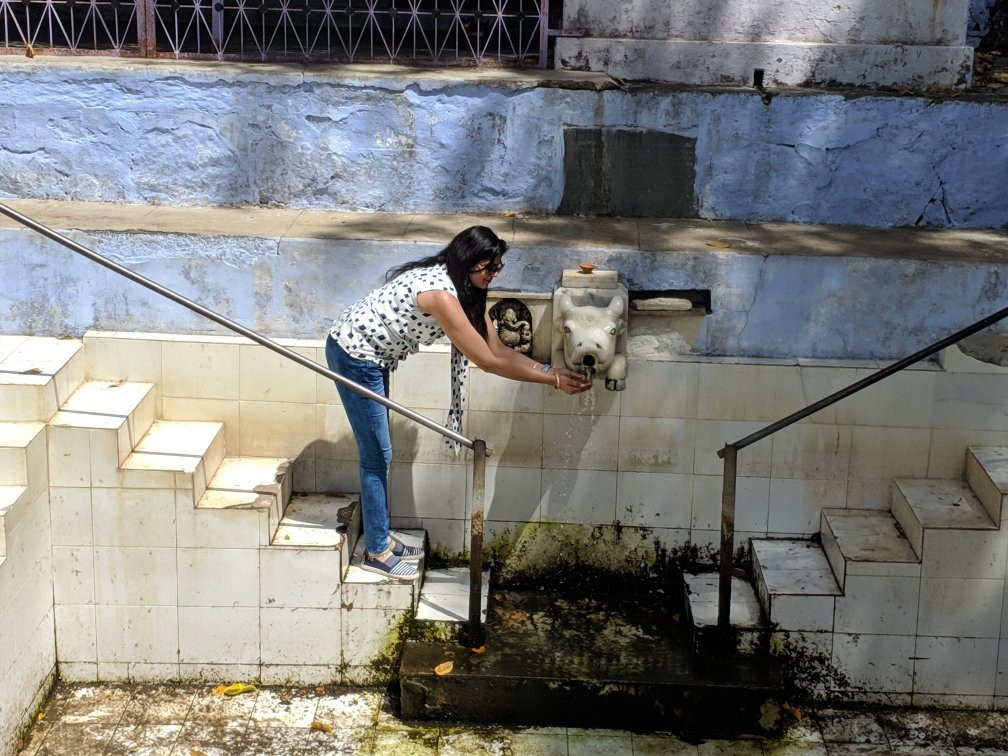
(877, 663)
(265, 376)
(71, 516)
(218, 577)
(1001, 681)
(299, 578)
(143, 672)
(656, 445)
(200, 369)
(219, 528)
(882, 453)
(752, 499)
(298, 674)
(654, 499)
(819, 381)
(218, 635)
(976, 402)
(147, 634)
(135, 576)
(948, 449)
(581, 442)
(366, 590)
(366, 633)
(966, 608)
(114, 357)
(423, 381)
(335, 437)
(208, 709)
(964, 553)
(661, 389)
(805, 450)
(445, 536)
(78, 672)
(956, 701)
(964, 666)
(412, 442)
(492, 393)
(596, 402)
(515, 438)
(869, 494)
(805, 613)
(796, 505)
(220, 410)
(275, 429)
(713, 435)
(73, 575)
(69, 456)
(133, 516)
(512, 494)
(585, 496)
(737, 392)
(76, 639)
(423, 491)
(878, 605)
(283, 633)
(902, 400)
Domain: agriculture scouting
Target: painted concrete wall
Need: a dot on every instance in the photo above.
(401, 141)
(779, 306)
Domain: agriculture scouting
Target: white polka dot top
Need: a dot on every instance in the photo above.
(388, 325)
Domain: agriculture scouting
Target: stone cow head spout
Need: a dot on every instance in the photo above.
(590, 335)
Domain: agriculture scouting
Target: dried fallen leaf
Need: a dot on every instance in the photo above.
(444, 668)
(197, 753)
(40, 716)
(219, 690)
(480, 650)
(517, 616)
(320, 690)
(116, 384)
(32, 371)
(236, 689)
(794, 711)
(320, 727)
(720, 244)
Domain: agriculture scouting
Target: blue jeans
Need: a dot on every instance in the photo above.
(370, 424)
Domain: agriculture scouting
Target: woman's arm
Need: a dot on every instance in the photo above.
(490, 354)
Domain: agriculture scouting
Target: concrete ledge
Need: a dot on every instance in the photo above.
(562, 232)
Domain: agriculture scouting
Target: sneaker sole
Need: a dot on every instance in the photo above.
(386, 574)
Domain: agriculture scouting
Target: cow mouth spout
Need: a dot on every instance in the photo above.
(588, 367)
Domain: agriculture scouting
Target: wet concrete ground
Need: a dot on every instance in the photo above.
(191, 721)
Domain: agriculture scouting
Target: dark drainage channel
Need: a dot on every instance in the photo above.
(615, 660)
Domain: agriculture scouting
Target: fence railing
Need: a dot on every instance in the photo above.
(432, 32)
(730, 451)
(472, 633)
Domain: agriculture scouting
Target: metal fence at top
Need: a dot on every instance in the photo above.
(433, 32)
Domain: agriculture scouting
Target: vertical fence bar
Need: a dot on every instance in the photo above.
(727, 536)
(473, 634)
(543, 31)
(146, 35)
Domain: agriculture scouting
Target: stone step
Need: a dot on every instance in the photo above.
(321, 522)
(750, 632)
(36, 375)
(795, 583)
(23, 459)
(251, 483)
(604, 660)
(372, 591)
(866, 542)
(96, 429)
(444, 597)
(10, 496)
(922, 504)
(180, 455)
(987, 475)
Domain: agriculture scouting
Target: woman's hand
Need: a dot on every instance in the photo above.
(570, 382)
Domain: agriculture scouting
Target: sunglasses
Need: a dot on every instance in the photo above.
(488, 268)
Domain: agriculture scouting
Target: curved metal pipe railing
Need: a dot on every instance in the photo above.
(730, 451)
(477, 445)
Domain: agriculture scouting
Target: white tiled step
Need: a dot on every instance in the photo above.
(23, 455)
(795, 583)
(866, 542)
(36, 374)
(702, 596)
(940, 504)
(262, 483)
(9, 497)
(96, 429)
(174, 454)
(445, 595)
(319, 526)
(370, 590)
(987, 475)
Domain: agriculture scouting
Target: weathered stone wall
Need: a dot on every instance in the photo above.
(492, 141)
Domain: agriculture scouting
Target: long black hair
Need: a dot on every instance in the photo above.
(467, 250)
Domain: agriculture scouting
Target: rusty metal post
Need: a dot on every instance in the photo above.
(730, 454)
(146, 32)
(544, 31)
(472, 634)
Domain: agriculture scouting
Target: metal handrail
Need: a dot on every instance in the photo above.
(477, 445)
(730, 451)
